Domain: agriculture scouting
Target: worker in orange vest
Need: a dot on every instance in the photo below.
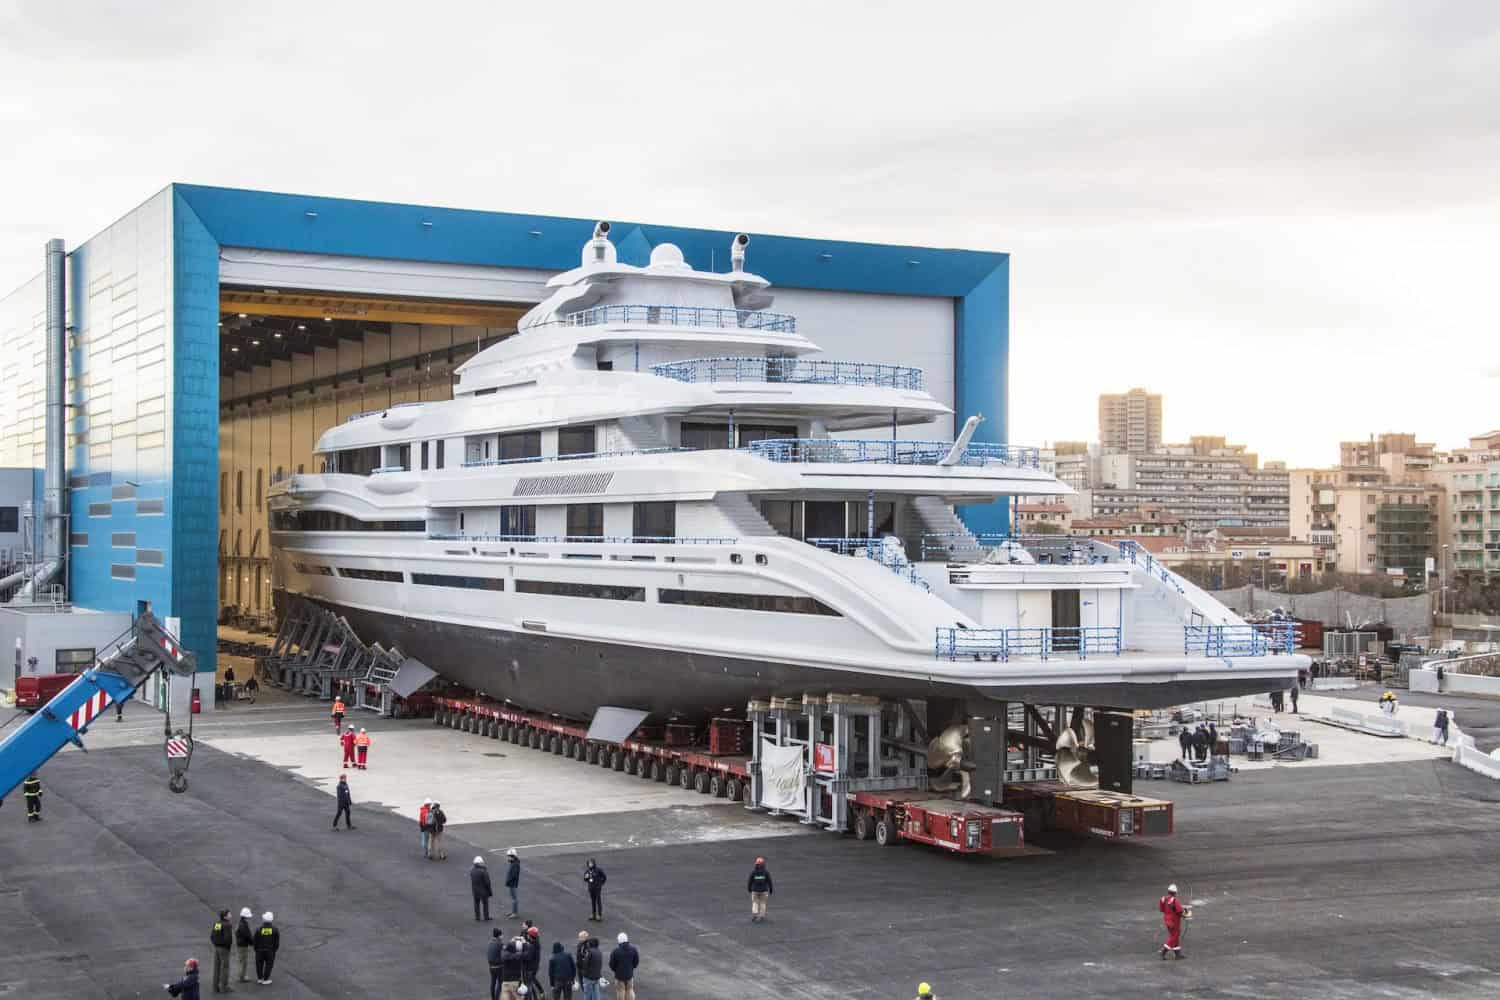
(348, 740)
(362, 747)
(338, 715)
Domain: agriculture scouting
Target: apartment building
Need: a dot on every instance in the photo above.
(1367, 523)
(1470, 479)
(1129, 421)
(1207, 483)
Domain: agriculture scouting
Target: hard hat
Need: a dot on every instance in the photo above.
(923, 988)
(760, 861)
(522, 990)
(361, 728)
(478, 859)
(427, 802)
(268, 916)
(246, 913)
(533, 932)
(191, 963)
(351, 727)
(583, 935)
(510, 852)
(623, 937)
(1172, 888)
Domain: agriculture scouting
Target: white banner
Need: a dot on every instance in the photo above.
(781, 774)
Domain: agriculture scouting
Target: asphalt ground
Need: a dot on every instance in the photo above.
(1327, 882)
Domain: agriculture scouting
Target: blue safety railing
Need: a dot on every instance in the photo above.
(1132, 552)
(891, 452)
(1035, 643)
(482, 463)
(1070, 550)
(589, 539)
(798, 371)
(743, 319)
(1239, 640)
(891, 557)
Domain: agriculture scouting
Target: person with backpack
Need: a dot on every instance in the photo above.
(589, 961)
(593, 878)
(425, 826)
(222, 938)
(561, 971)
(244, 940)
(533, 960)
(623, 962)
(1440, 727)
(436, 821)
(267, 941)
(338, 715)
(760, 889)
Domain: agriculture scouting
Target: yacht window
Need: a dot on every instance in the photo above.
(239, 491)
(223, 493)
(859, 519)
(763, 432)
(606, 366)
(358, 461)
(824, 519)
(518, 520)
(586, 520)
(522, 444)
(260, 489)
(655, 520)
(375, 575)
(332, 520)
(577, 440)
(557, 588)
(460, 582)
(439, 463)
(785, 516)
(703, 437)
(784, 604)
(307, 570)
(424, 455)
(487, 392)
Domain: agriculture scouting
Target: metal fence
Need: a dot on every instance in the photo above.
(797, 371)
(891, 452)
(744, 319)
(1003, 644)
(1239, 640)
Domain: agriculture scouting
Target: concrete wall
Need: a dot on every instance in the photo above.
(1404, 614)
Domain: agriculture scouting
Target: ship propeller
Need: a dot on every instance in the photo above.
(1075, 753)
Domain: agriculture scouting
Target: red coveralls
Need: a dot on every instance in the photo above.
(362, 747)
(348, 741)
(1171, 915)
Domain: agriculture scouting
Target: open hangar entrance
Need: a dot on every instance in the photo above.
(295, 362)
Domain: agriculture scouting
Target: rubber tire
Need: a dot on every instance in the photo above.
(885, 832)
(606, 757)
(178, 783)
(617, 760)
(591, 754)
(495, 726)
(733, 790)
(716, 786)
(631, 764)
(670, 773)
(437, 716)
(555, 744)
(700, 782)
(517, 733)
(685, 778)
(864, 825)
(647, 771)
(580, 750)
(658, 770)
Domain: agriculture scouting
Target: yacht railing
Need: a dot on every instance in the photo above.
(797, 371)
(1133, 553)
(1032, 643)
(589, 539)
(1071, 550)
(664, 315)
(891, 557)
(1239, 640)
(483, 463)
(891, 452)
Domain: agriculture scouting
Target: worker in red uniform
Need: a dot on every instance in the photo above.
(348, 741)
(362, 747)
(1172, 914)
(338, 714)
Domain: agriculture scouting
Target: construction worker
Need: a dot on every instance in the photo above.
(338, 715)
(623, 962)
(513, 880)
(479, 884)
(759, 886)
(437, 819)
(346, 802)
(267, 940)
(561, 971)
(924, 992)
(31, 790)
(362, 747)
(1388, 703)
(593, 877)
(187, 986)
(1172, 914)
(425, 827)
(512, 969)
(244, 939)
(533, 960)
(348, 741)
(221, 937)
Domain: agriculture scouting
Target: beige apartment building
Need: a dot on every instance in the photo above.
(1365, 522)
(1207, 483)
(1129, 421)
(1470, 479)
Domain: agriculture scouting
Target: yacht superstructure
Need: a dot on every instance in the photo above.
(657, 496)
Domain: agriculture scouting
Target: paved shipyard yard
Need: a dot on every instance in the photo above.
(1315, 879)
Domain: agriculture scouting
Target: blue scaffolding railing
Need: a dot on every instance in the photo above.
(1239, 640)
(892, 558)
(664, 315)
(1132, 552)
(891, 452)
(1035, 643)
(799, 371)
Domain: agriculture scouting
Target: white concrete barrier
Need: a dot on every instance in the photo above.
(1333, 683)
(1377, 725)
(1467, 756)
(1422, 681)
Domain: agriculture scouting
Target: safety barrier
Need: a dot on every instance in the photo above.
(892, 452)
(791, 370)
(1053, 549)
(745, 319)
(1481, 763)
(1239, 640)
(1132, 552)
(1374, 725)
(892, 557)
(1026, 643)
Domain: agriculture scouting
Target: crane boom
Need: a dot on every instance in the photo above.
(141, 651)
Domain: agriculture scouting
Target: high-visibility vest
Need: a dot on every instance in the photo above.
(338, 707)
(362, 740)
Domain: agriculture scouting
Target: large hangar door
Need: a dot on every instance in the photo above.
(297, 358)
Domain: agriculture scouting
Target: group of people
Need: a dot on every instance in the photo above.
(1278, 698)
(430, 821)
(483, 889)
(515, 965)
(262, 941)
(1199, 743)
(356, 748)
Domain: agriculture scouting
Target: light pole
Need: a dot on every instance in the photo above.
(1444, 604)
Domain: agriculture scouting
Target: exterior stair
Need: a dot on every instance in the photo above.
(641, 434)
(745, 516)
(932, 516)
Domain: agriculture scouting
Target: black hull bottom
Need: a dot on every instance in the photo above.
(573, 677)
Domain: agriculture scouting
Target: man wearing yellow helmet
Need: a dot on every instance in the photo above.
(924, 992)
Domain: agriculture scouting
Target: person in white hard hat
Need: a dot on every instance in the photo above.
(479, 881)
(267, 940)
(1172, 914)
(623, 962)
(244, 939)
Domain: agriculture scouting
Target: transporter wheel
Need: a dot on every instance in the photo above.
(495, 727)
(517, 732)
(700, 782)
(617, 760)
(632, 763)
(885, 832)
(732, 789)
(437, 716)
(716, 786)
(685, 777)
(606, 757)
(658, 770)
(504, 734)
(455, 720)
(536, 739)
(669, 773)
(864, 825)
(580, 750)
(648, 768)
(591, 753)
(555, 744)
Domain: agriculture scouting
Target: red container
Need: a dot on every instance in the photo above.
(197, 702)
(728, 737)
(678, 735)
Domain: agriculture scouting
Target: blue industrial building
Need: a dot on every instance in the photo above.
(151, 382)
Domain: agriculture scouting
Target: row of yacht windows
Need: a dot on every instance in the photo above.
(775, 603)
(330, 520)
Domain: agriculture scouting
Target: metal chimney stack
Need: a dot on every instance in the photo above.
(55, 538)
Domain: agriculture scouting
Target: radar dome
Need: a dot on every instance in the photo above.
(668, 255)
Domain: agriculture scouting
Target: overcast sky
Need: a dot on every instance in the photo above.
(1285, 217)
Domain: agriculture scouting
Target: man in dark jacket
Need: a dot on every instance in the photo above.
(244, 940)
(187, 986)
(346, 802)
(561, 971)
(495, 955)
(221, 937)
(512, 968)
(1185, 740)
(437, 821)
(589, 961)
(533, 960)
(623, 962)
(760, 889)
(479, 884)
(31, 791)
(513, 880)
(593, 877)
(267, 940)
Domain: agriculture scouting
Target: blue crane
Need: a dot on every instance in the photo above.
(124, 666)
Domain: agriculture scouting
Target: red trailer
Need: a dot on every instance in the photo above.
(889, 817)
(1053, 805)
